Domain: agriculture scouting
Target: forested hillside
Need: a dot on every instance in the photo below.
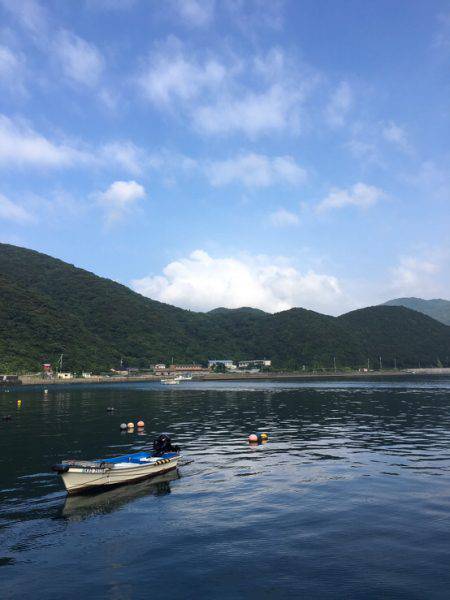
(48, 307)
(436, 309)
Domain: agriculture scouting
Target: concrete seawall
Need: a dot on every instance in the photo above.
(299, 376)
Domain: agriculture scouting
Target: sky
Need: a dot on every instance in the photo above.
(232, 152)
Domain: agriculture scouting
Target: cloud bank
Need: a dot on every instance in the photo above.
(201, 282)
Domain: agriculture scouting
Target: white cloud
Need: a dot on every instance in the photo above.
(432, 179)
(126, 155)
(200, 282)
(81, 61)
(171, 75)
(283, 218)
(274, 110)
(394, 134)
(21, 146)
(13, 212)
(12, 70)
(260, 95)
(363, 150)
(339, 105)
(197, 13)
(415, 276)
(255, 170)
(119, 199)
(30, 14)
(359, 195)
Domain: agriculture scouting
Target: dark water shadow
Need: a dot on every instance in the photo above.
(78, 508)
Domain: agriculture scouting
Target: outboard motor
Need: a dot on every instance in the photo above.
(163, 444)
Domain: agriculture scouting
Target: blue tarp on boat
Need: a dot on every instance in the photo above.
(136, 457)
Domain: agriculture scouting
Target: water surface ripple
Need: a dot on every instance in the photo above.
(350, 498)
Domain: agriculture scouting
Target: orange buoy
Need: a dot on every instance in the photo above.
(140, 424)
(253, 438)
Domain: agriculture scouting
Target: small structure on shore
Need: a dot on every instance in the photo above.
(64, 375)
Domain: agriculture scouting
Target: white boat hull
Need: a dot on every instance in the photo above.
(78, 479)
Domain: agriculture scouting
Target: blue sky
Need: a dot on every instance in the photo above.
(227, 153)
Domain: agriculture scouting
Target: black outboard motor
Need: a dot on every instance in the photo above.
(163, 444)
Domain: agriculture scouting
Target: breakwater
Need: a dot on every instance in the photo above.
(275, 376)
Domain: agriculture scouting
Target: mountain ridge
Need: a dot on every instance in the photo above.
(436, 308)
(49, 307)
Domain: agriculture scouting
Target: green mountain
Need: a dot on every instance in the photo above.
(436, 309)
(48, 308)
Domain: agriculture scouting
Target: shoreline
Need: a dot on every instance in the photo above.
(27, 381)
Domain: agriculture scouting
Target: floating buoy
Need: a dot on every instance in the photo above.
(123, 426)
(110, 408)
(45, 391)
(141, 424)
(19, 402)
(130, 425)
(258, 438)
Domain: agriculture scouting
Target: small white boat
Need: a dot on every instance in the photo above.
(79, 476)
(183, 378)
(170, 381)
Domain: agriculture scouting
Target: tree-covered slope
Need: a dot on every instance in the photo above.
(48, 307)
(436, 309)
(400, 335)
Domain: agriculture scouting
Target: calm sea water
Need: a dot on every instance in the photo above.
(350, 498)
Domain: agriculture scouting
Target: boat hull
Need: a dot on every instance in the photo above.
(82, 479)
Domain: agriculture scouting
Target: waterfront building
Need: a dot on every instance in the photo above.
(245, 364)
(228, 364)
(65, 375)
(185, 368)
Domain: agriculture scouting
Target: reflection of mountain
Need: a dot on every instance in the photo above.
(77, 508)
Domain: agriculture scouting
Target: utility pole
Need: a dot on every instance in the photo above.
(334, 363)
(60, 363)
(381, 364)
(395, 363)
(368, 364)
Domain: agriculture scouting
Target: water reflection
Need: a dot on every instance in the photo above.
(78, 508)
(351, 492)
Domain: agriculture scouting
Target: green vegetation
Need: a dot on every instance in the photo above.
(48, 307)
(436, 309)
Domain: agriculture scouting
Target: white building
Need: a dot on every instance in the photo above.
(64, 375)
(245, 364)
(228, 364)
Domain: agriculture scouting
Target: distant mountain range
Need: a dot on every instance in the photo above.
(436, 309)
(49, 307)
